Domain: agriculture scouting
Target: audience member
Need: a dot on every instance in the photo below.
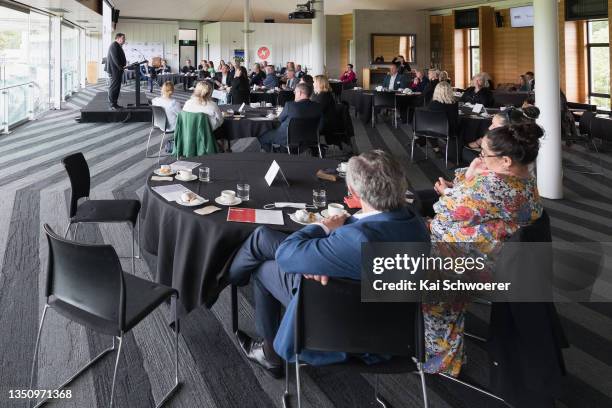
(487, 81)
(292, 81)
(149, 73)
(170, 105)
(530, 80)
(443, 100)
(276, 262)
(188, 78)
(164, 68)
(240, 87)
(349, 76)
(434, 80)
(221, 64)
(497, 195)
(444, 77)
(298, 71)
(523, 84)
(302, 107)
(201, 101)
(394, 80)
(478, 93)
(223, 79)
(402, 65)
(270, 81)
(324, 96)
(210, 66)
(419, 83)
(307, 79)
(188, 68)
(257, 76)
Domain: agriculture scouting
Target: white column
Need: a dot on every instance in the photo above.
(317, 46)
(546, 41)
(56, 62)
(247, 17)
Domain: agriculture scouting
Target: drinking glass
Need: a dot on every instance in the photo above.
(319, 198)
(204, 173)
(242, 191)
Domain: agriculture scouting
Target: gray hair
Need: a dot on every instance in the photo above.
(378, 179)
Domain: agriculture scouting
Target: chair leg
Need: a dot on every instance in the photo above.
(286, 393)
(148, 142)
(446, 159)
(423, 385)
(379, 398)
(297, 381)
(173, 390)
(67, 230)
(412, 148)
(475, 388)
(133, 250)
(138, 251)
(373, 116)
(112, 396)
(161, 144)
(320, 154)
(42, 320)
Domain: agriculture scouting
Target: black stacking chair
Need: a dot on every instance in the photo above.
(386, 100)
(431, 125)
(96, 211)
(601, 128)
(160, 122)
(85, 284)
(284, 96)
(333, 318)
(303, 132)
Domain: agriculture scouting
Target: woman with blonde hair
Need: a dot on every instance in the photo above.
(443, 100)
(444, 77)
(201, 102)
(170, 105)
(324, 96)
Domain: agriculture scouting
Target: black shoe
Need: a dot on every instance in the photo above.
(254, 351)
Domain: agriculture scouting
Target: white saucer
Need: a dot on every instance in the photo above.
(221, 202)
(193, 177)
(295, 219)
(324, 213)
(193, 203)
(159, 173)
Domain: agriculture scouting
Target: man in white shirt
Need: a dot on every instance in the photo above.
(292, 81)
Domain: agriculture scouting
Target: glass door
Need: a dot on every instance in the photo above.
(70, 59)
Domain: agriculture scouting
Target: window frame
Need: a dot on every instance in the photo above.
(589, 46)
(471, 48)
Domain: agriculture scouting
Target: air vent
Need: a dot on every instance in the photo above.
(58, 10)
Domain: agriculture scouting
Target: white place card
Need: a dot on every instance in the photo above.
(477, 108)
(273, 172)
(183, 165)
(171, 192)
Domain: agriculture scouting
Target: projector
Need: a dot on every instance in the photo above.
(302, 12)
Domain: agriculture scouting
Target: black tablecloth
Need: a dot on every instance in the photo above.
(362, 101)
(238, 128)
(174, 78)
(258, 96)
(192, 250)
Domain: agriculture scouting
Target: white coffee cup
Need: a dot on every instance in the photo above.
(269, 105)
(185, 174)
(335, 209)
(228, 196)
(343, 167)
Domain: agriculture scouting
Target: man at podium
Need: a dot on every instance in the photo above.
(115, 63)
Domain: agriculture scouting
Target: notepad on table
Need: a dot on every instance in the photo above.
(253, 216)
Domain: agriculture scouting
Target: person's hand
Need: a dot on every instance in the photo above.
(334, 222)
(323, 279)
(442, 185)
(477, 166)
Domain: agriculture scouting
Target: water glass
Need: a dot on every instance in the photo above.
(262, 104)
(242, 191)
(204, 173)
(319, 198)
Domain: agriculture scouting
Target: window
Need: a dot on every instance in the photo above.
(474, 50)
(598, 54)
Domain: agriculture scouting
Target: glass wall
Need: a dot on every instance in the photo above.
(70, 59)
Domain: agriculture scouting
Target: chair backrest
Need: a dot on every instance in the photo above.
(303, 132)
(333, 318)
(160, 120)
(193, 135)
(539, 231)
(88, 277)
(426, 120)
(78, 173)
(585, 106)
(601, 128)
(585, 122)
(285, 96)
(384, 98)
(503, 98)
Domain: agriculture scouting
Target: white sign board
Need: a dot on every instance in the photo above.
(135, 51)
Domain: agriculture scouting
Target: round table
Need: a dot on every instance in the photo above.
(254, 124)
(193, 251)
(162, 78)
(263, 96)
(362, 101)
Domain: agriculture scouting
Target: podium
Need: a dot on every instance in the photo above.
(136, 67)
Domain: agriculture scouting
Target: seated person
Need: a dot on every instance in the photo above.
(257, 76)
(302, 107)
(270, 81)
(149, 73)
(444, 77)
(223, 78)
(443, 100)
(221, 63)
(349, 76)
(210, 67)
(240, 89)
(402, 65)
(434, 79)
(276, 262)
(394, 80)
(523, 84)
(202, 65)
(307, 79)
(291, 81)
(298, 71)
(171, 106)
(188, 78)
(478, 93)
(419, 83)
(324, 96)
(507, 117)
(497, 195)
(164, 68)
(201, 101)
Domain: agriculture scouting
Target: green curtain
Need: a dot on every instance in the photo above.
(193, 135)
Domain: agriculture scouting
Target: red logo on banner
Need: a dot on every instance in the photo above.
(263, 53)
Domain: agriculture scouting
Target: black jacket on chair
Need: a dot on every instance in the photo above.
(429, 90)
(484, 96)
(240, 90)
(115, 59)
(303, 109)
(257, 78)
(328, 106)
(452, 113)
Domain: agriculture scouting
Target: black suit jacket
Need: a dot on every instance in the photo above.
(187, 69)
(303, 109)
(429, 90)
(257, 78)
(328, 107)
(240, 90)
(115, 59)
(230, 77)
(484, 96)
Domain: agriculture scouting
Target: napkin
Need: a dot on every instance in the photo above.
(209, 209)
(352, 202)
(160, 178)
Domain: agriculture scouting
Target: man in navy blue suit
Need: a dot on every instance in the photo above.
(394, 80)
(276, 262)
(302, 107)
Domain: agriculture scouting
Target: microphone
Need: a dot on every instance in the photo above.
(141, 54)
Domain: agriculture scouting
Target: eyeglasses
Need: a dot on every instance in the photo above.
(482, 155)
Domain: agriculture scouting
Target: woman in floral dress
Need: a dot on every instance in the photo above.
(485, 203)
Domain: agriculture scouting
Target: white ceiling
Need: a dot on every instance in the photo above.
(76, 12)
(232, 10)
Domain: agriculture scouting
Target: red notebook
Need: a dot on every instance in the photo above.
(253, 216)
(241, 214)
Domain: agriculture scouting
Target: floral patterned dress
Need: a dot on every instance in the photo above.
(487, 208)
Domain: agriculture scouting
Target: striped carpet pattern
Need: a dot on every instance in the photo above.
(34, 189)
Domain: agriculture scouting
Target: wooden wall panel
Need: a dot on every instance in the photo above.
(486, 17)
(561, 13)
(346, 35)
(448, 45)
(459, 57)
